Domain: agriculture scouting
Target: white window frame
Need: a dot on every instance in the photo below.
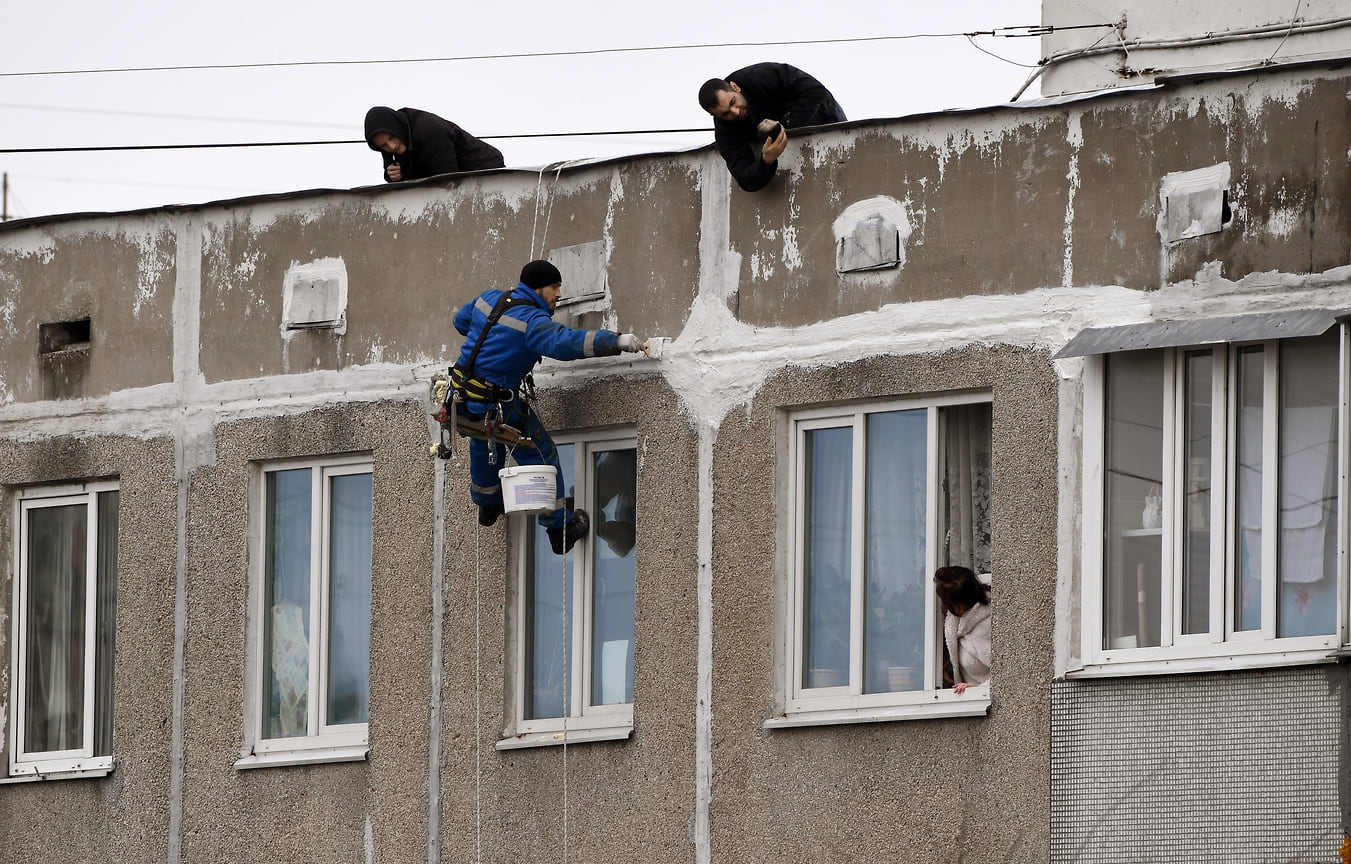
(583, 722)
(848, 703)
(82, 761)
(325, 742)
(1222, 648)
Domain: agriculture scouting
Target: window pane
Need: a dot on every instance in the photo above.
(1307, 602)
(550, 575)
(893, 630)
(106, 558)
(615, 576)
(55, 619)
(965, 489)
(349, 613)
(1248, 491)
(827, 501)
(1197, 436)
(286, 643)
(1134, 565)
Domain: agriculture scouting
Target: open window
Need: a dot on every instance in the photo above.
(881, 495)
(575, 614)
(65, 597)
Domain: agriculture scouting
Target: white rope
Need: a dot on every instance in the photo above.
(567, 682)
(567, 631)
(478, 709)
(549, 210)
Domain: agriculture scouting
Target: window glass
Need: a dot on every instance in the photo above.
(1134, 500)
(896, 514)
(349, 629)
(287, 587)
(1307, 512)
(56, 617)
(1197, 441)
(614, 526)
(107, 620)
(828, 510)
(548, 592)
(1248, 445)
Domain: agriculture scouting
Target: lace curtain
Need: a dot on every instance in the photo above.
(966, 486)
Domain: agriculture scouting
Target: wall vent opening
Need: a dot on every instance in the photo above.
(586, 287)
(1194, 203)
(63, 336)
(63, 355)
(314, 296)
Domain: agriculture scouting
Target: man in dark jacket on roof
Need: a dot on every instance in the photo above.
(752, 107)
(417, 144)
(489, 374)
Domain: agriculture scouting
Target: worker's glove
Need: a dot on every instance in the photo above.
(629, 342)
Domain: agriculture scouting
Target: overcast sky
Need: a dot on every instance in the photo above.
(489, 97)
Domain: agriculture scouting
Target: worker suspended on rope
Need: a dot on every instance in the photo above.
(506, 333)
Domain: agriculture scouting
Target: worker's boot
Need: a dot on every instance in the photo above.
(488, 515)
(562, 539)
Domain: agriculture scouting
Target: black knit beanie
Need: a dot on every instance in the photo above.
(540, 274)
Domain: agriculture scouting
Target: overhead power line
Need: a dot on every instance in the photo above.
(160, 116)
(1003, 32)
(705, 130)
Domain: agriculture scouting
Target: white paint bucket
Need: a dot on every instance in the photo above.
(529, 489)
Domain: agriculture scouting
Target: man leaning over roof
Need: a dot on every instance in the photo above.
(417, 144)
(753, 106)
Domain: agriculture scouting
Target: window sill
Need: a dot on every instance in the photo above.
(949, 705)
(84, 774)
(281, 758)
(1219, 663)
(572, 736)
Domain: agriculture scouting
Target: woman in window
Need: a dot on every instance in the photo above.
(966, 623)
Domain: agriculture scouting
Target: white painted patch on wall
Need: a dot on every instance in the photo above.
(792, 255)
(1283, 221)
(155, 261)
(1075, 135)
(314, 295)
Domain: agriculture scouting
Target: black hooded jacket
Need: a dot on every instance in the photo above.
(773, 91)
(435, 145)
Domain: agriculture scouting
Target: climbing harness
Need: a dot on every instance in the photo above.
(449, 392)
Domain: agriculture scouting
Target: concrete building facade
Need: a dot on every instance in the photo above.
(250, 619)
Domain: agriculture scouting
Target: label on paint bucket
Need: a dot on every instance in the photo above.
(530, 489)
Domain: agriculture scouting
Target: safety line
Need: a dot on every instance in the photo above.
(478, 688)
(567, 679)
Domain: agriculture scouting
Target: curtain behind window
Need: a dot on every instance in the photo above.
(55, 614)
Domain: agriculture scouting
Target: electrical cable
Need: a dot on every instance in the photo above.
(1265, 31)
(244, 144)
(997, 57)
(1019, 31)
(157, 116)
